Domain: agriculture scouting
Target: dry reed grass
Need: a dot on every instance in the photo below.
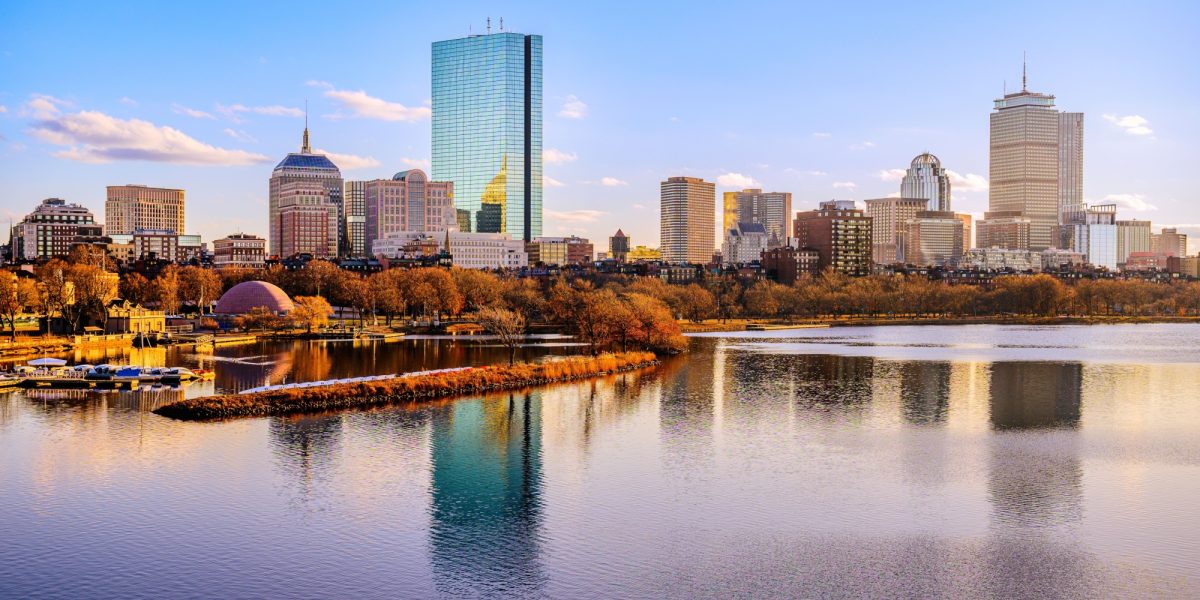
(407, 389)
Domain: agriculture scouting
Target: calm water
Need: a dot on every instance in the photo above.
(1059, 462)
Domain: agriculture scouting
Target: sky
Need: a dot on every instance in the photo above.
(827, 100)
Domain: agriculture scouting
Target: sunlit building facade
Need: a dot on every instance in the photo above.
(687, 221)
(407, 202)
(487, 130)
(307, 220)
(927, 179)
(1169, 242)
(570, 250)
(130, 207)
(773, 210)
(933, 238)
(841, 235)
(316, 170)
(240, 250)
(354, 223)
(618, 246)
(1133, 235)
(744, 243)
(1004, 229)
(889, 218)
(52, 229)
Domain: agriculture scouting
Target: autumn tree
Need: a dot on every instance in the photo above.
(92, 288)
(53, 289)
(478, 288)
(200, 285)
(508, 326)
(135, 288)
(16, 294)
(259, 317)
(656, 328)
(167, 290)
(311, 312)
(316, 277)
(386, 293)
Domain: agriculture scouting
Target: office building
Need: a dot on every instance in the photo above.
(1055, 259)
(968, 230)
(467, 249)
(1091, 231)
(1184, 266)
(487, 130)
(354, 201)
(1147, 261)
(407, 202)
(1132, 236)
(773, 210)
(744, 243)
(130, 207)
(240, 250)
(560, 251)
(927, 179)
(306, 221)
(52, 229)
(933, 238)
(1169, 242)
(618, 246)
(644, 253)
(314, 170)
(1003, 229)
(1000, 259)
(151, 244)
(1035, 162)
(841, 235)
(889, 217)
(687, 226)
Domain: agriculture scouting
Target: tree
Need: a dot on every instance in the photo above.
(87, 254)
(386, 294)
(478, 288)
(316, 277)
(53, 291)
(259, 317)
(92, 289)
(656, 328)
(508, 327)
(15, 295)
(697, 303)
(201, 285)
(167, 290)
(311, 312)
(136, 288)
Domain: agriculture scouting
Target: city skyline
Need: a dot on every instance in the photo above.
(605, 148)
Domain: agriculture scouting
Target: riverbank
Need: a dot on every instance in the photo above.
(404, 389)
(748, 324)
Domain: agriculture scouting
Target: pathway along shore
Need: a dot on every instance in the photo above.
(404, 389)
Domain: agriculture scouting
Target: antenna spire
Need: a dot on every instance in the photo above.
(304, 147)
(489, 25)
(1024, 84)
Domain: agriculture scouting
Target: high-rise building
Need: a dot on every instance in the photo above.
(1091, 231)
(968, 230)
(1169, 242)
(52, 229)
(841, 235)
(618, 246)
(927, 179)
(130, 207)
(354, 200)
(933, 238)
(687, 226)
(487, 130)
(407, 202)
(307, 221)
(1003, 229)
(744, 243)
(316, 169)
(1033, 147)
(240, 250)
(888, 226)
(773, 210)
(1132, 236)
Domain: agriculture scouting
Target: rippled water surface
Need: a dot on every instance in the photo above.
(970, 461)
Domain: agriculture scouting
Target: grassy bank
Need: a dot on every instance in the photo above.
(741, 324)
(407, 389)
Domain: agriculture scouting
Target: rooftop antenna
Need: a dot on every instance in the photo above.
(305, 148)
(1024, 87)
(489, 25)
(501, 24)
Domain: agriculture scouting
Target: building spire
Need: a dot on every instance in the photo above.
(305, 148)
(1024, 85)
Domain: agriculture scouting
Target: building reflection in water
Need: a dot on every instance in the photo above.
(305, 448)
(924, 391)
(487, 475)
(1035, 479)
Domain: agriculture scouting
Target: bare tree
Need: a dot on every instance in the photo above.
(506, 325)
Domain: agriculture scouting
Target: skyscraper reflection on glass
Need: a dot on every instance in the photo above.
(487, 130)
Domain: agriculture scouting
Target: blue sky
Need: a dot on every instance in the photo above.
(824, 101)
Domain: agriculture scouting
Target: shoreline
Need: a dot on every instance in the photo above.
(342, 396)
(774, 324)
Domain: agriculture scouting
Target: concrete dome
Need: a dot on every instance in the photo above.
(253, 294)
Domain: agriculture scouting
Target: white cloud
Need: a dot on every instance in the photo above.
(966, 183)
(575, 216)
(349, 161)
(127, 101)
(3, 109)
(1131, 202)
(862, 145)
(821, 134)
(554, 156)
(548, 181)
(180, 109)
(274, 110)
(92, 136)
(639, 206)
(573, 108)
(358, 105)
(891, 174)
(612, 182)
(416, 163)
(41, 106)
(1131, 124)
(894, 195)
(240, 135)
(844, 185)
(736, 180)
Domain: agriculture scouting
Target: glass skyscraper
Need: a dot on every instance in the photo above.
(487, 130)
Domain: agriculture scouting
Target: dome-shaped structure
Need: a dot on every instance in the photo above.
(243, 297)
(926, 159)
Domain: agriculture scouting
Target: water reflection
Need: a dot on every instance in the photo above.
(1026, 395)
(925, 391)
(486, 497)
(305, 448)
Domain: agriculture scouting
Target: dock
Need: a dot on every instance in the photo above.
(66, 383)
(765, 327)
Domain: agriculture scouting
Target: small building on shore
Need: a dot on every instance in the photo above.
(127, 317)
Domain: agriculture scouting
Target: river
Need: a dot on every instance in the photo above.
(935, 461)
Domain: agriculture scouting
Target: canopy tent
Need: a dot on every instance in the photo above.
(47, 362)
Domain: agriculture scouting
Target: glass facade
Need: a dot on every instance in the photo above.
(487, 130)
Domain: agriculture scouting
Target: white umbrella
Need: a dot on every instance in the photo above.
(47, 362)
